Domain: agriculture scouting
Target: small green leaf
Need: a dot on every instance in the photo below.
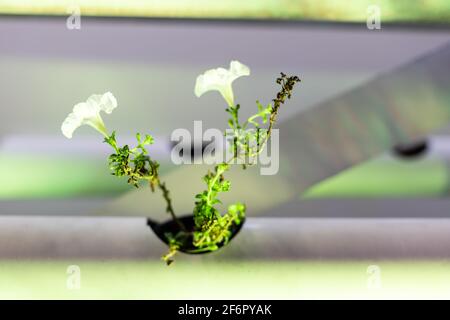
(148, 139)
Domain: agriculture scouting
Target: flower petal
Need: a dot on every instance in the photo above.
(200, 85)
(238, 69)
(86, 110)
(220, 79)
(108, 102)
(70, 124)
(89, 113)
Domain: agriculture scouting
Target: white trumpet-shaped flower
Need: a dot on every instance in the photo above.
(220, 79)
(88, 113)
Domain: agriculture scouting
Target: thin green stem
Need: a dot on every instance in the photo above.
(166, 195)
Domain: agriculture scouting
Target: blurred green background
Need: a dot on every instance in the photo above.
(387, 177)
(64, 177)
(436, 11)
(225, 280)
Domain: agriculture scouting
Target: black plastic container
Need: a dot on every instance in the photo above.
(171, 226)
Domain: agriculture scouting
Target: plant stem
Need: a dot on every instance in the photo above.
(166, 195)
(219, 172)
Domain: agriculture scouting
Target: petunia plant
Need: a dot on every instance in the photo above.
(207, 229)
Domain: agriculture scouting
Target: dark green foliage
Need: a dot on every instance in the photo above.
(132, 163)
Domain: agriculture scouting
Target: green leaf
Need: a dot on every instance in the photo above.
(149, 139)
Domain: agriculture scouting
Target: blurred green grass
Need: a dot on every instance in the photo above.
(46, 279)
(325, 10)
(42, 177)
(386, 177)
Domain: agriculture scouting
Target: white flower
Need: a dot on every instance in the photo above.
(89, 113)
(220, 79)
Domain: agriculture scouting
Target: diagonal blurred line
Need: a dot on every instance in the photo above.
(399, 106)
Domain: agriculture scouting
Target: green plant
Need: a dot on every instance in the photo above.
(247, 139)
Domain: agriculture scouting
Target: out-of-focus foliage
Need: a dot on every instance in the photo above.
(436, 11)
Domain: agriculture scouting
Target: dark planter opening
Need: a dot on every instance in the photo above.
(411, 150)
(171, 226)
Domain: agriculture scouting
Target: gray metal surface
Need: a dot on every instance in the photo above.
(261, 238)
(151, 67)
